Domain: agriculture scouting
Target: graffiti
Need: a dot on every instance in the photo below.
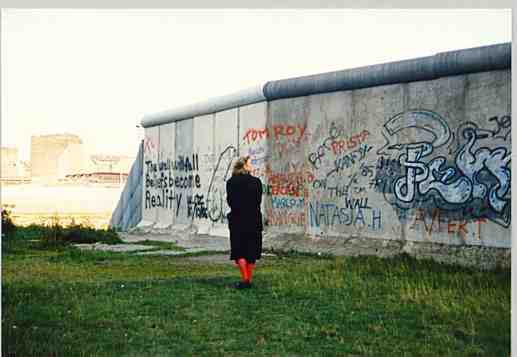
(315, 157)
(276, 131)
(437, 221)
(345, 185)
(255, 151)
(257, 155)
(183, 163)
(503, 123)
(341, 145)
(189, 181)
(295, 176)
(330, 214)
(366, 170)
(287, 180)
(196, 207)
(350, 159)
(162, 185)
(425, 120)
(345, 189)
(295, 190)
(287, 203)
(332, 144)
(388, 167)
(480, 177)
(288, 184)
(164, 199)
(216, 195)
(150, 145)
(151, 166)
(168, 180)
(262, 156)
(285, 218)
(387, 171)
(444, 180)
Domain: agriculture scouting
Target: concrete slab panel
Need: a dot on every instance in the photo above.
(442, 102)
(253, 142)
(329, 114)
(286, 172)
(204, 149)
(166, 155)
(185, 172)
(150, 190)
(372, 109)
(488, 95)
(225, 145)
(488, 105)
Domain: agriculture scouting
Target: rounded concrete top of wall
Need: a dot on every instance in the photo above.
(212, 105)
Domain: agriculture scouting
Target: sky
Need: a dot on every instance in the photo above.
(97, 73)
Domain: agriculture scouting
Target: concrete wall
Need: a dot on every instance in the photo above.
(185, 174)
(410, 156)
(425, 161)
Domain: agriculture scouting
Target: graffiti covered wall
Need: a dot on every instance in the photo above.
(425, 161)
(422, 161)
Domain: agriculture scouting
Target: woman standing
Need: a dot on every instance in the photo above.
(244, 195)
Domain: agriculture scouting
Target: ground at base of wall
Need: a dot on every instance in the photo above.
(484, 258)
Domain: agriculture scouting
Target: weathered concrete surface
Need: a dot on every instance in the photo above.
(207, 157)
(226, 148)
(184, 170)
(479, 257)
(150, 177)
(166, 155)
(252, 121)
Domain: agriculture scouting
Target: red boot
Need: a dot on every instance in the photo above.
(245, 279)
(250, 268)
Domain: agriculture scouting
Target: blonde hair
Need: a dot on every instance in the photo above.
(238, 167)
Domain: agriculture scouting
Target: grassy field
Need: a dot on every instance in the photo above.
(59, 301)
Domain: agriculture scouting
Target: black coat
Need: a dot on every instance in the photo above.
(244, 195)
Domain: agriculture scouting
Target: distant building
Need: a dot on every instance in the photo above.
(9, 161)
(53, 157)
(103, 169)
(13, 170)
(110, 163)
(61, 158)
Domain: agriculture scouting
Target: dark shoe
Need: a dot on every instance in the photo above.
(243, 285)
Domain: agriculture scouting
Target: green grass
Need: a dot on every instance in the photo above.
(57, 300)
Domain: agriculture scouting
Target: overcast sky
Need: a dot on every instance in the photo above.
(96, 73)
